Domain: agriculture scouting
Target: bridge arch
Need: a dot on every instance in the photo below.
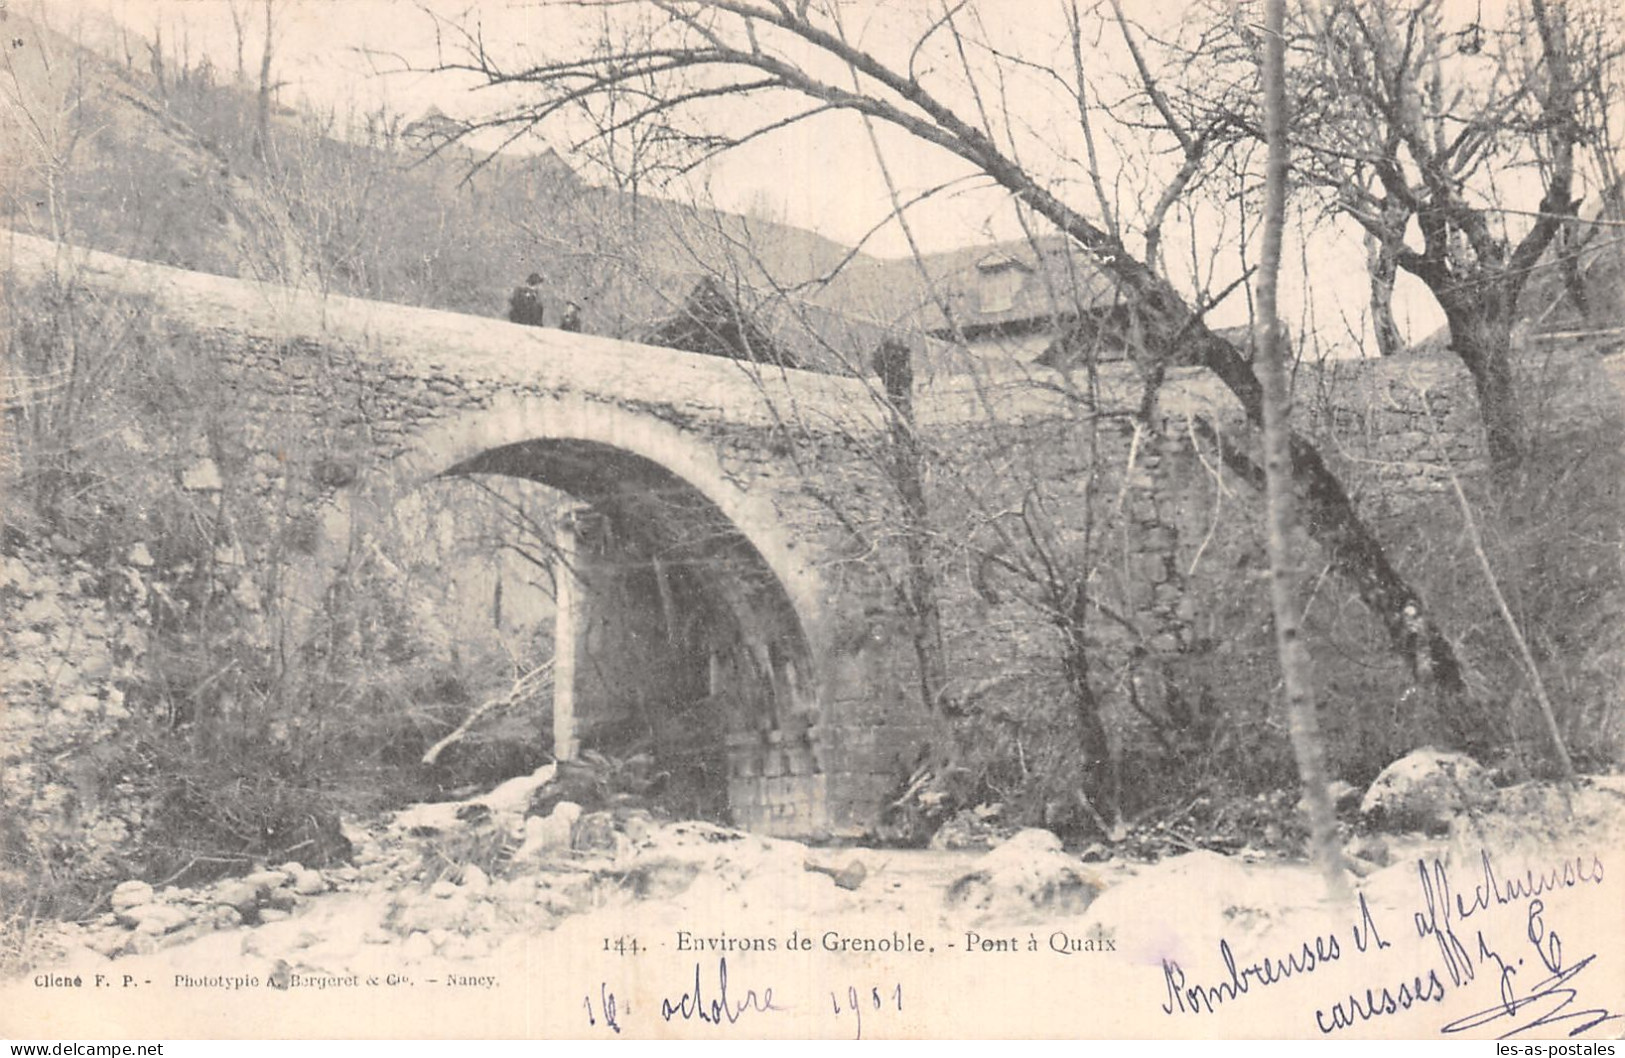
(697, 589)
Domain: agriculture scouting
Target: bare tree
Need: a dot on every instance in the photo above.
(239, 29)
(262, 109)
(748, 51)
(1388, 60)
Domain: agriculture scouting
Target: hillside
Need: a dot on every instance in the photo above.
(107, 156)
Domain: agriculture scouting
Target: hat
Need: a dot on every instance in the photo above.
(534, 279)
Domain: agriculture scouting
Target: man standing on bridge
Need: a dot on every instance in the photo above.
(525, 304)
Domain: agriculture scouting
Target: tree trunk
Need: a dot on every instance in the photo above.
(1570, 244)
(1297, 678)
(1481, 334)
(1383, 264)
(262, 116)
(1100, 779)
(894, 364)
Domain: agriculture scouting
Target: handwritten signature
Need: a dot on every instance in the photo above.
(1550, 997)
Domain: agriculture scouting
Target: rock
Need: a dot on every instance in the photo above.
(81, 703)
(106, 942)
(550, 835)
(432, 914)
(309, 882)
(25, 640)
(132, 894)
(1345, 795)
(223, 916)
(239, 895)
(443, 890)
(1372, 848)
(849, 877)
(139, 944)
(475, 880)
(202, 476)
(654, 879)
(1028, 872)
(970, 830)
(139, 556)
(95, 663)
(417, 947)
(14, 573)
(1424, 790)
(637, 825)
(281, 900)
(156, 919)
(42, 612)
(266, 879)
(595, 833)
(475, 814)
(274, 914)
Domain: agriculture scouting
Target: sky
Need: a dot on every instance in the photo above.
(349, 54)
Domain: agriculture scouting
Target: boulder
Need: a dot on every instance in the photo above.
(550, 835)
(417, 947)
(281, 900)
(156, 919)
(42, 612)
(308, 882)
(266, 879)
(132, 894)
(971, 829)
(239, 895)
(1370, 848)
(475, 881)
(596, 832)
(420, 914)
(1424, 790)
(1029, 872)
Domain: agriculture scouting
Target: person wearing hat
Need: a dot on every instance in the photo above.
(572, 317)
(525, 304)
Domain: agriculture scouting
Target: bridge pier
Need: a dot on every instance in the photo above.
(655, 644)
(569, 603)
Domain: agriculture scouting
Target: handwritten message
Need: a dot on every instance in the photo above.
(1533, 984)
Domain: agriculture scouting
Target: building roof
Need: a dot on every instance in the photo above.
(978, 290)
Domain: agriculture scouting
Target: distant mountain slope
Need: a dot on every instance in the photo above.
(101, 154)
(94, 158)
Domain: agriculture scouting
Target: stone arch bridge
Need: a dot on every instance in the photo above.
(738, 534)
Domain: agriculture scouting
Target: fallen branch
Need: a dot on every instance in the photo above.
(526, 686)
